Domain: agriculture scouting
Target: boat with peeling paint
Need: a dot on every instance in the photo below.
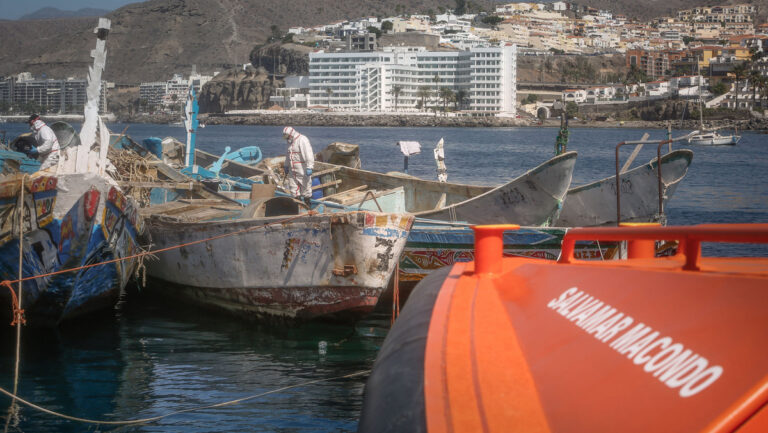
(532, 199)
(74, 215)
(511, 344)
(594, 204)
(268, 260)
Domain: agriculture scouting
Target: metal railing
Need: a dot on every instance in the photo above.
(659, 143)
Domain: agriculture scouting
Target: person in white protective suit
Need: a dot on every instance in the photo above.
(299, 162)
(47, 150)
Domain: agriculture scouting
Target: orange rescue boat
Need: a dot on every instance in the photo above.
(510, 344)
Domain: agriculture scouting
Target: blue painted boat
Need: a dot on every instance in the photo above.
(75, 218)
(70, 221)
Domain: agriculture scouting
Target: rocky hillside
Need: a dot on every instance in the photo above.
(55, 13)
(154, 39)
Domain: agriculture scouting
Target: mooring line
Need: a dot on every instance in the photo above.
(159, 417)
(18, 311)
(161, 250)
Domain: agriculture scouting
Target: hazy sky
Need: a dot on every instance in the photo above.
(13, 9)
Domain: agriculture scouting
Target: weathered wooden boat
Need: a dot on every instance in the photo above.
(532, 199)
(518, 345)
(71, 220)
(594, 204)
(77, 217)
(267, 260)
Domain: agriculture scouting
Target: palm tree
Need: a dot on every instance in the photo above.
(739, 73)
(436, 80)
(329, 92)
(460, 98)
(396, 90)
(762, 87)
(446, 95)
(424, 93)
(754, 79)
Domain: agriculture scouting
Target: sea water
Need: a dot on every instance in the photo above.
(151, 357)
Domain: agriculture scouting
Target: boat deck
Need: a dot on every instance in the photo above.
(194, 210)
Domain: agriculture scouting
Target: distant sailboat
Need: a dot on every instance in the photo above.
(704, 137)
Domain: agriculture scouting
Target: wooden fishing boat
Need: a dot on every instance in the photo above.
(644, 344)
(293, 266)
(71, 220)
(77, 217)
(594, 204)
(532, 199)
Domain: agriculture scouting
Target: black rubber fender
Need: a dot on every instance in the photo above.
(393, 400)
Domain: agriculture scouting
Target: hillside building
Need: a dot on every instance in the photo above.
(173, 91)
(411, 78)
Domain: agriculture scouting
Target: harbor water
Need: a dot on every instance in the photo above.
(151, 357)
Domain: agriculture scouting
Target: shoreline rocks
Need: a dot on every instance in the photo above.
(423, 121)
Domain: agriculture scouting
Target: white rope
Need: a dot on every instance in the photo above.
(159, 417)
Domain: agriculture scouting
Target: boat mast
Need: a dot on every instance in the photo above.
(190, 123)
(700, 80)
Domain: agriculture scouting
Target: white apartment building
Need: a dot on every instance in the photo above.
(173, 91)
(404, 78)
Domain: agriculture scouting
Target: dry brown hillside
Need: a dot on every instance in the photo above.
(154, 39)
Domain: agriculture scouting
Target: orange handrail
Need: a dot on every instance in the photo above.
(690, 237)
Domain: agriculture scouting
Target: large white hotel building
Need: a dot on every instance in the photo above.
(364, 81)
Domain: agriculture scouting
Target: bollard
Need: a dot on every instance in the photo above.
(641, 249)
(489, 247)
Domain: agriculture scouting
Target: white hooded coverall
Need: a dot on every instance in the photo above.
(47, 145)
(298, 159)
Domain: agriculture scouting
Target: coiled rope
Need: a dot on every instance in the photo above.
(159, 417)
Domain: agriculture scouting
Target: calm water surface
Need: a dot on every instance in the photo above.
(152, 358)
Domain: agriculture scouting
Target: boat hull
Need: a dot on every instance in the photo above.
(594, 204)
(727, 140)
(297, 268)
(532, 199)
(506, 343)
(72, 223)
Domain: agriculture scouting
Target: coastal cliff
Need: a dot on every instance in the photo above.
(238, 89)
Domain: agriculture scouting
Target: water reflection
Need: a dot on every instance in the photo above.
(153, 357)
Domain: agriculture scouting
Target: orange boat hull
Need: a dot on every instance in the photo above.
(516, 344)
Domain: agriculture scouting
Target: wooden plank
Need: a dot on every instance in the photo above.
(327, 184)
(189, 186)
(634, 154)
(326, 171)
(357, 188)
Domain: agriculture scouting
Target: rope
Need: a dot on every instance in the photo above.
(162, 250)
(159, 417)
(396, 295)
(17, 311)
